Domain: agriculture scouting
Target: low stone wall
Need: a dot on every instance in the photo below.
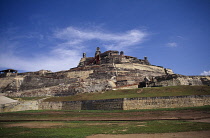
(130, 103)
(19, 106)
(165, 102)
(67, 105)
(111, 104)
(108, 104)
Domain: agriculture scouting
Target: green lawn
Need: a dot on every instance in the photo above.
(141, 92)
(74, 114)
(81, 129)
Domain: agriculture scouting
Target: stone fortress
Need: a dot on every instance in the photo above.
(110, 57)
(110, 70)
(105, 71)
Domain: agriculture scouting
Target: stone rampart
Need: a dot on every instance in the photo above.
(165, 102)
(108, 104)
(19, 106)
(4, 82)
(111, 104)
(181, 80)
(66, 105)
(79, 74)
(151, 68)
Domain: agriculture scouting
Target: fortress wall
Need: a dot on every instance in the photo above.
(79, 74)
(95, 85)
(143, 67)
(72, 105)
(67, 105)
(4, 82)
(185, 80)
(190, 80)
(50, 106)
(65, 89)
(39, 105)
(128, 87)
(59, 90)
(20, 83)
(111, 104)
(19, 106)
(130, 103)
(166, 102)
(108, 104)
(34, 82)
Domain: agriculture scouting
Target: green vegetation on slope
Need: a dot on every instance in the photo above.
(141, 92)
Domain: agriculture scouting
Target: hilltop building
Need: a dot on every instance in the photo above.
(110, 56)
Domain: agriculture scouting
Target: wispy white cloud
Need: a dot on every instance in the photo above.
(109, 40)
(205, 73)
(55, 60)
(181, 37)
(64, 49)
(172, 44)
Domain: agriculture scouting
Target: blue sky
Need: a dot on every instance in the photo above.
(53, 34)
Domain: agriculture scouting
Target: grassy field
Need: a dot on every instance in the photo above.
(141, 92)
(92, 114)
(81, 129)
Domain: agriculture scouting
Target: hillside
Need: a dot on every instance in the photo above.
(103, 72)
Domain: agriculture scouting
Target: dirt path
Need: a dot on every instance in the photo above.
(5, 100)
(193, 134)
